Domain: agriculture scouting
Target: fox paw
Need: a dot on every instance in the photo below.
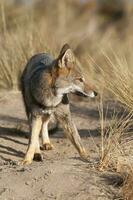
(47, 146)
(38, 157)
(25, 162)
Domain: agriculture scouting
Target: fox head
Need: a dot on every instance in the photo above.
(69, 78)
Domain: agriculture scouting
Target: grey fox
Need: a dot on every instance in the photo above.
(46, 83)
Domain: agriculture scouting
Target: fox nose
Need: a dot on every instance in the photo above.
(95, 93)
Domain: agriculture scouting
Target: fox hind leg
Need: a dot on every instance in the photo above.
(46, 144)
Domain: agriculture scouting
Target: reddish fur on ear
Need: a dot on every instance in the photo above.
(64, 72)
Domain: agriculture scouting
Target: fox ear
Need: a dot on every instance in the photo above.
(66, 57)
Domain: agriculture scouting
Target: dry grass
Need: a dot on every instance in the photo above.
(116, 139)
(113, 137)
(116, 153)
(107, 58)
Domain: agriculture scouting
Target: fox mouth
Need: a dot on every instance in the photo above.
(84, 94)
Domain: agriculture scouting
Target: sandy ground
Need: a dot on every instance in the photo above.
(61, 175)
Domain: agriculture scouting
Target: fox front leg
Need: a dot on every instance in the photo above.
(33, 151)
(64, 117)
